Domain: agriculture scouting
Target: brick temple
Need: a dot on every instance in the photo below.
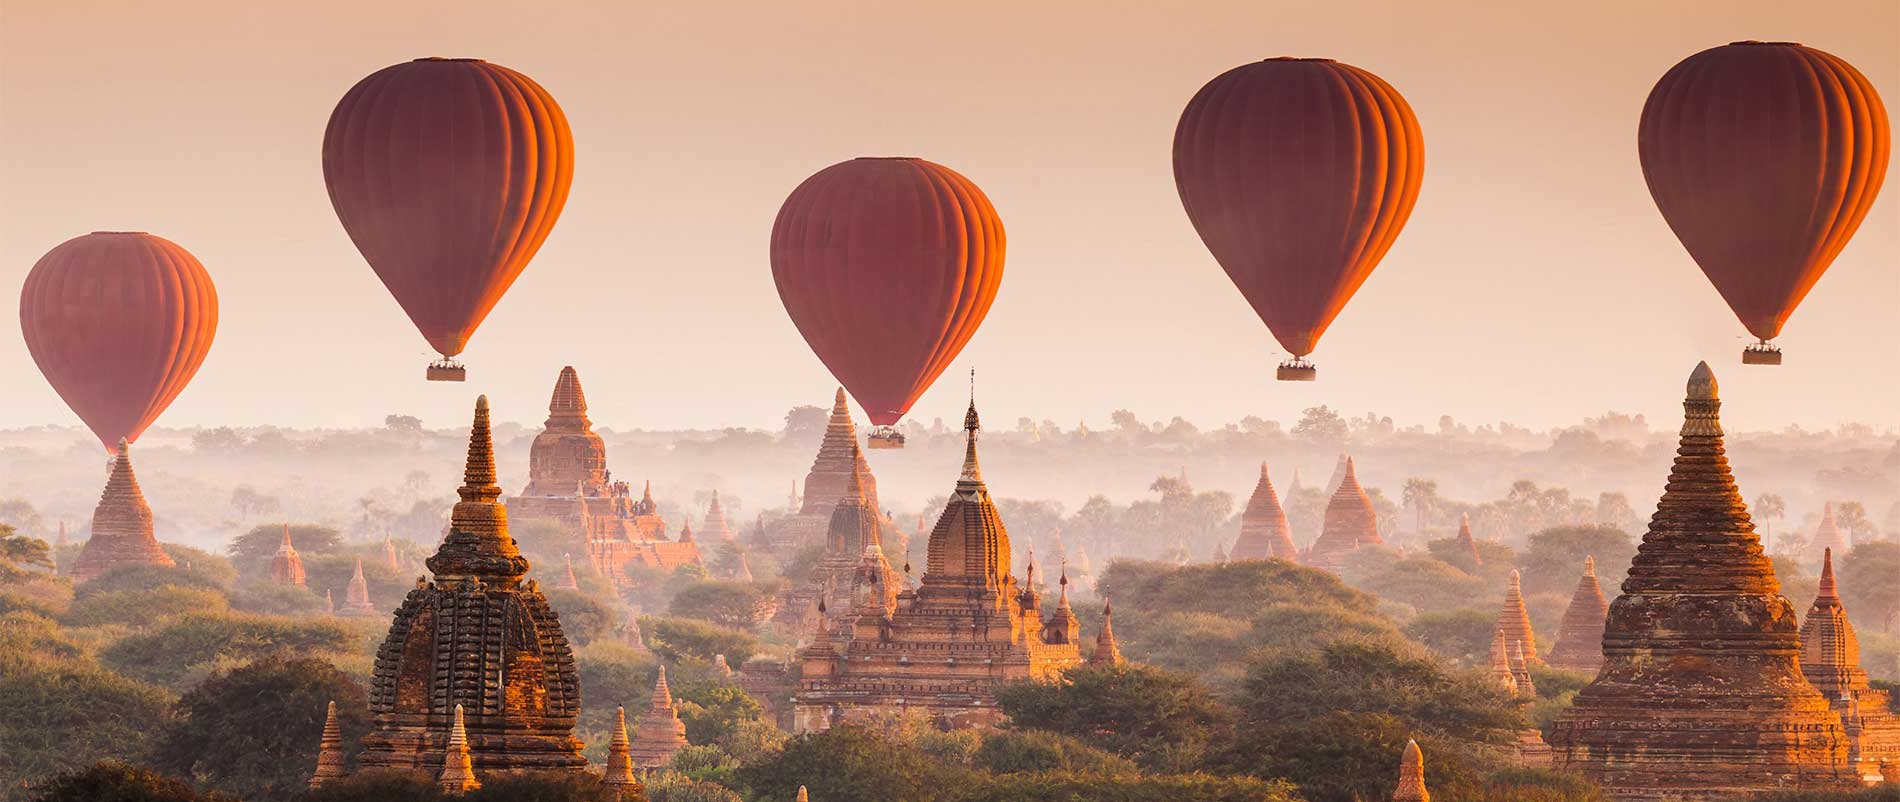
(946, 645)
(1350, 523)
(853, 573)
(839, 460)
(477, 638)
(570, 485)
(1701, 694)
(1264, 531)
(1580, 636)
(121, 526)
(1830, 659)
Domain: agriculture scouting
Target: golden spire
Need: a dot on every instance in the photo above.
(1412, 776)
(620, 755)
(330, 763)
(478, 544)
(1106, 650)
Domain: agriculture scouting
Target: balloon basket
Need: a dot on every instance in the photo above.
(447, 370)
(1296, 370)
(884, 437)
(1761, 353)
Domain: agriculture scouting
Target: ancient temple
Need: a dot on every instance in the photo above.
(330, 759)
(1350, 524)
(1514, 621)
(1412, 776)
(1107, 652)
(570, 485)
(477, 637)
(946, 645)
(458, 765)
(1701, 693)
(839, 459)
(389, 555)
(1580, 637)
(1264, 531)
(854, 566)
(1830, 659)
(356, 603)
(716, 525)
(1501, 673)
(286, 565)
(660, 733)
(619, 772)
(1467, 545)
(121, 526)
(1827, 537)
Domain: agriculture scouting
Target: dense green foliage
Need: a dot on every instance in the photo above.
(217, 739)
(118, 782)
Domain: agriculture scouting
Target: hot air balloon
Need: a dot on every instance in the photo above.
(1298, 175)
(118, 322)
(887, 266)
(448, 175)
(1763, 157)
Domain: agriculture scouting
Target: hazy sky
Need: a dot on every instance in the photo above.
(1535, 281)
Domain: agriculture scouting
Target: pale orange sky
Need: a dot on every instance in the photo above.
(1535, 281)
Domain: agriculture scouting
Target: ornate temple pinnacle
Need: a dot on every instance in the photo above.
(971, 471)
(478, 477)
(1412, 776)
(478, 543)
(1828, 592)
(1702, 405)
(1590, 566)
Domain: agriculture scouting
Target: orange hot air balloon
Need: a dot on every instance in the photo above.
(1298, 175)
(887, 266)
(118, 322)
(1763, 157)
(448, 175)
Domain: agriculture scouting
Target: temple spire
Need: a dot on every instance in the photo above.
(1467, 543)
(1828, 592)
(121, 525)
(330, 762)
(660, 733)
(478, 545)
(356, 597)
(1106, 651)
(458, 772)
(286, 565)
(620, 756)
(1412, 776)
(972, 472)
(1515, 621)
(389, 555)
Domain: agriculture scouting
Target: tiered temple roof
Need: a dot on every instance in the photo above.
(853, 566)
(1830, 659)
(1580, 638)
(121, 526)
(716, 524)
(1701, 693)
(967, 628)
(619, 772)
(1350, 523)
(570, 485)
(661, 733)
(286, 565)
(839, 459)
(1515, 621)
(479, 637)
(1107, 652)
(1827, 536)
(458, 770)
(1264, 531)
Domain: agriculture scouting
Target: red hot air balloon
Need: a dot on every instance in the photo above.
(1298, 174)
(1763, 157)
(887, 267)
(448, 175)
(118, 322)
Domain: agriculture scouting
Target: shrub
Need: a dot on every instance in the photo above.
(117, 782)
(255, 731)
(168, 654)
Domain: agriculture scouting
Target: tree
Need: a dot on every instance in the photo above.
(735, 605)
(1321, 426)
(221, 737)
(1867, 582)
(672, 786)
(713, 710)
(584, 617)
(806, 423)
(168, 654)
(1614, 510)
(20, 554)
(848, 762)
(1851, 516)
(1770, 507)
(686, 638)
(548, 786)
(57, 715)
(403, 424)
(251, 551)
(1554, 557)
(141, 608)
(111, 781)
(1426, 584)
(1422, 496)
(1161, 719)
(1463, 635)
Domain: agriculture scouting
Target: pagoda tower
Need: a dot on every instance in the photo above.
(330, 760)
(1830, 659)
(458, 770)
(121, 526)
(716, 521)
(1264, 531)
(1827, 536)
(1701, 694)
(567, 454)
(1107, 652)
(1350, 523)
(1412, 776)
(1467, 545)
(619, 772)
(286, 565)
(1501, 673)
(477, 638)
(389, 555)
(661, 733)
(356, 603)
(968, 627)
(855, 533)
(838, 459)
(1580, 638)
(1515, 621)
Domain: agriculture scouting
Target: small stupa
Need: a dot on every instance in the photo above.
(330, 761)
(1500, 672)
(716, 524)
(1467, 545)
(619, 772)
(1350, 523)
(286, 565)
(1580, 638)
(660, 733)
(1827, 536)
(458, 771)
(1701, 694)
(1107, 652)
(1264, 531)
(1830, 659)
(356, 603)
(1412, 776)
(121, 526)
(1515, 621)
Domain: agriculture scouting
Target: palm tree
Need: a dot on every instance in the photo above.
(1421, 495)
(1770, 507)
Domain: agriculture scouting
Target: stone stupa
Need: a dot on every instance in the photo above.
(1830, 659)
(1264, 531)
(480, 639)
(121, 526)
(1580, 636)
(1701, 694)
(1350, 523)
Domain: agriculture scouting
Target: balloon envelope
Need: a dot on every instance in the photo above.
(119, 323)
(887, 267)
(448, 175)
(1764, 157)
(1298, 174)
